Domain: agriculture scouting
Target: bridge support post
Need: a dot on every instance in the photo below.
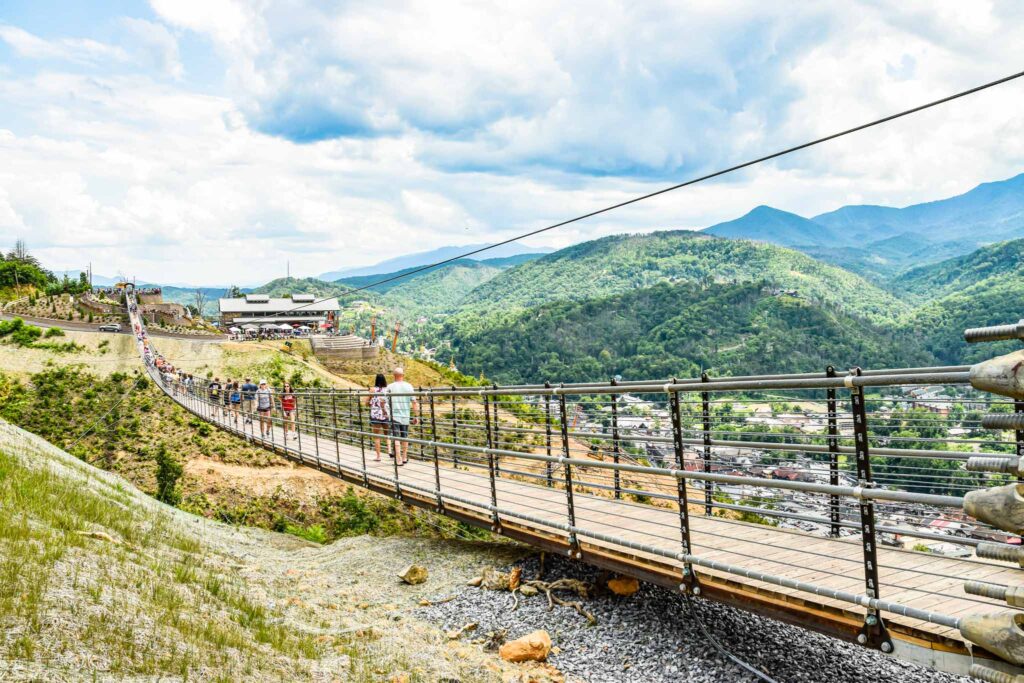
(316, 428)
(615, 442)
(496, 441)
(491, 469)
(833, 453)
(297, 426)
(455, 430)
(873, 634)
(437, 463)
(421, 427)
(705, 412)
(362, 437)
(574, 544)
(1018, 434)
(548, 466)
(336, 433)
(689, 581)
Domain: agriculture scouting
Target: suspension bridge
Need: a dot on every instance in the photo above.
(800, 497)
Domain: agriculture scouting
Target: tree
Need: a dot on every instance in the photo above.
(168, 471)
(199, 300)
(233, 292)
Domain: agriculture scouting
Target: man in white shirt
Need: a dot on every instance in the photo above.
(403, 403)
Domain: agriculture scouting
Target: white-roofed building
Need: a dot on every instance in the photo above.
(302, 309)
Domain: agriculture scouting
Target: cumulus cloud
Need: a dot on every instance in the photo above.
(347, 132)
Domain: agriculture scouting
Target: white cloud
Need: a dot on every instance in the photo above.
(156, 45)
(79, 50)
(363, 131)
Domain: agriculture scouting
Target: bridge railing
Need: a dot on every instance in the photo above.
(883, 457)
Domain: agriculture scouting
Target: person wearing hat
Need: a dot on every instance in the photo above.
(264, 402)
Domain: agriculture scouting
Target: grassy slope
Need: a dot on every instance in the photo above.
(622, 263)
(148, 602)
(61, 403)
(99, 582)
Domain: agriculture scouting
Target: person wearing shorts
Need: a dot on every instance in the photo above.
(402, 404)
(248, 399)
(380, 416)
(288, 408)
(264, 402)
(236, 400)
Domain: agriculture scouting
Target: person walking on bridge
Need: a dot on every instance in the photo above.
(264, 402)
(289, 404)
(236, 400)
(225, 409)
(213, 393)
(402, 403)
(380, 416)
(248, 399)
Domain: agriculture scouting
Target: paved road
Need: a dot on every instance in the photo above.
(79, 326)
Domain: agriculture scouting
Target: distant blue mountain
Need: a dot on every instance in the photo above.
(765, 224)
(991, 212)
(424, 258)
(880, 241)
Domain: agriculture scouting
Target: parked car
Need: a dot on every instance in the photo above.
(110, 327)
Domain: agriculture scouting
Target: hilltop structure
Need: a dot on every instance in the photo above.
(303, 309)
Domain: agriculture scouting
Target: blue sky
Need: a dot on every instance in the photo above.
(214, 140)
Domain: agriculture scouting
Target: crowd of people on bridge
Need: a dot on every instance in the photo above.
(244, 403)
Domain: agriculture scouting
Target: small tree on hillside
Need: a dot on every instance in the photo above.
(168, 471)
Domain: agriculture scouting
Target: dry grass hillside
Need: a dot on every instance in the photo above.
(100, 582)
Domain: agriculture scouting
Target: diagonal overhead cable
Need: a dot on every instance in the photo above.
(685, 183)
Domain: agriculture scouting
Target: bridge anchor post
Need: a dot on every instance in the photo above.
(574, 543)
(873, 633)
(689, 577)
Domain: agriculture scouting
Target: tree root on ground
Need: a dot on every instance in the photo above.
(549, 587)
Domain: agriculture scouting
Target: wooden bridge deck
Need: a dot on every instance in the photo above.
(920, 580)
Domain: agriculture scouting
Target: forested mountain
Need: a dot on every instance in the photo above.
(439, 289)
(623, 263)
(674, 303)
(766, 224)
(423, 293)
(424, 258)
(678, 330)
(982, 288)
(1004, 261)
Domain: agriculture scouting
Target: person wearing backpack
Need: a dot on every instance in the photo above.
(213, 391)
(380, 416)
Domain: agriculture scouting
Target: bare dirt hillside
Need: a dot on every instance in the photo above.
(101, 582)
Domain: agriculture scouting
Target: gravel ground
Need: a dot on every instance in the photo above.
(650, 636)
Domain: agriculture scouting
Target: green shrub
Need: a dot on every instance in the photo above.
(54, 332)
(168, 471)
